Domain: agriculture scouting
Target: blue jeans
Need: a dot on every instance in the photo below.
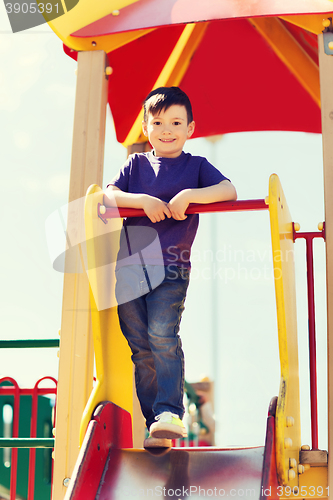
(150, 324)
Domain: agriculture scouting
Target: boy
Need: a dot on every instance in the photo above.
(163, 183)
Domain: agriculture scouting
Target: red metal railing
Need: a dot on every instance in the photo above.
(309, 237)
(194, 208)
(17, 392)
(33, 434)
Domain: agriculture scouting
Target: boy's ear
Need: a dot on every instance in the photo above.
(144, 128)
(190, 129)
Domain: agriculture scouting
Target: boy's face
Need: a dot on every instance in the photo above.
(168, 131)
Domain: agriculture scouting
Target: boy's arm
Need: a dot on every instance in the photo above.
(154, 208)
(224, 191)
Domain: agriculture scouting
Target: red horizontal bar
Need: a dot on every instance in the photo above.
(193, 208)
(8, 390)
(310, 235)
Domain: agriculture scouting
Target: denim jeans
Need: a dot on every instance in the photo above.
(150, 324)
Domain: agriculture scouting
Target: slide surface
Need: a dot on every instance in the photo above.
(182, 473)
(109, 469)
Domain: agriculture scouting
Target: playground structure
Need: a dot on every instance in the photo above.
(104, 469)
(101, 41)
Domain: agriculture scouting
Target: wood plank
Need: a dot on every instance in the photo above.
(76, 352)
(316, 458)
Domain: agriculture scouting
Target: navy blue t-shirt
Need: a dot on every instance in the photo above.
(162, 178)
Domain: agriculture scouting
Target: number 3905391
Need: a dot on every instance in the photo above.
(31, 8)
(303, 491)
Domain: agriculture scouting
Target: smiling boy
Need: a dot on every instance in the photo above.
(163, 183)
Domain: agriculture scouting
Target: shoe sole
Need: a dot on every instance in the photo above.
(169, 431)
(158, 452)
(153, 442)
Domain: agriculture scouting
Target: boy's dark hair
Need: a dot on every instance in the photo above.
(164, 97)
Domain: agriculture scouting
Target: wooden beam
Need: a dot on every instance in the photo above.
(138, 147)
(326, 86)
(290, 52)
(76, 351)
(315, 458)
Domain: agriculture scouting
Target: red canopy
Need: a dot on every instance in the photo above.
(235, 79)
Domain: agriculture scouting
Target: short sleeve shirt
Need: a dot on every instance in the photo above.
(163, 178)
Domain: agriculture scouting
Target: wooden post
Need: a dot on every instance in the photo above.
(326, 90)
(76, 350)
(138, 147)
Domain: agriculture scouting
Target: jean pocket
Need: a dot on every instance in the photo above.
(131, 283)
(156, 275)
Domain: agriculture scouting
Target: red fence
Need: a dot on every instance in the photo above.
(14, 442)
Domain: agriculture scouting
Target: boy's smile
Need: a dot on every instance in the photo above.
(168, 131)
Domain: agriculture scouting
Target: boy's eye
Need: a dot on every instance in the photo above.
(157, 123)
(176, 123)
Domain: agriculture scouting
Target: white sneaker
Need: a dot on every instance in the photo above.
(167, 426)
